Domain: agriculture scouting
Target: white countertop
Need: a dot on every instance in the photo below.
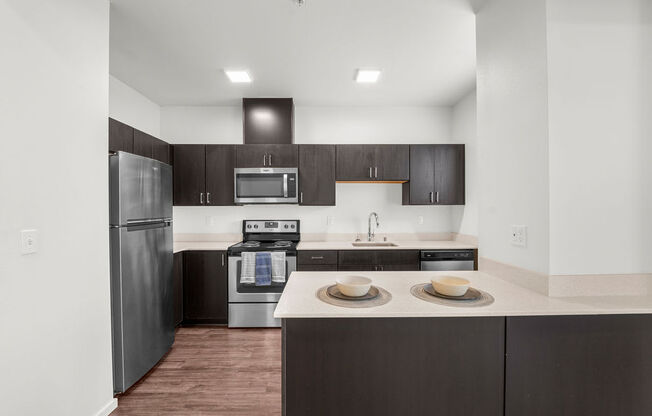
(332, 245)
(179, 246)
(400, 245)
(299, 299)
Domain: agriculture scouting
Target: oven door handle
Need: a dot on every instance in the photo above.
(285, 185)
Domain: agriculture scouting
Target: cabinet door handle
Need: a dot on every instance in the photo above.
(269, 157)
(437, 197)
(316, 257)
(201, 198)
(265, 159)
(370, 176)
(222, 259)
(208, 197)
(431, 200)
(376, 172)
(301, 197)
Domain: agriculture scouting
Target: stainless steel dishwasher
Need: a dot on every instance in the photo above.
(440, 260)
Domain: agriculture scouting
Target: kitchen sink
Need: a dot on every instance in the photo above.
(373, 244)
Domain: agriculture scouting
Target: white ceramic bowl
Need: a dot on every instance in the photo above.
(450, 285)
(354, 286)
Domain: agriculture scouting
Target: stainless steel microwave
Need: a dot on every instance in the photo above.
(266, 186)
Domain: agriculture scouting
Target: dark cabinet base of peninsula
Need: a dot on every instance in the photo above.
(597, 365)
(579, 365)
(393, 366)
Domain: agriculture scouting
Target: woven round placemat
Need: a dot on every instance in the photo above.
(379, 300)
(419, 292)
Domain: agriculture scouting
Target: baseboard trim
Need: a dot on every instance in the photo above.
(108, 408)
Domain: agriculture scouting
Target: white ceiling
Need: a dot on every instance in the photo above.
(174, 52)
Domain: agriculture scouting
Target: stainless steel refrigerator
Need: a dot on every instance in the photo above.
(140, 192)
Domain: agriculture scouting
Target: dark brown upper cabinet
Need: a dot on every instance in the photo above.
(189, 174)
(203, 174)
(121, 137)
(392, 162)
(268, 120)
(267, 156)
(151, 147)
(220, 162)
(317, 174)
(373, 163)
(436, 175)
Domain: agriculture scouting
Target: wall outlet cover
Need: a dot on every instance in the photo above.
(519, 235)
(420, 219)
(28, 241)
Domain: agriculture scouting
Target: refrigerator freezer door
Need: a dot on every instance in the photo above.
(141, 296)
(140, 188)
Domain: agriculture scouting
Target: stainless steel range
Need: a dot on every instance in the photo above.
(252, 304)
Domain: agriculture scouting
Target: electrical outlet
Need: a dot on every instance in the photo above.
(519, 235)
(330, 220)
(28, 241)
(420, 219)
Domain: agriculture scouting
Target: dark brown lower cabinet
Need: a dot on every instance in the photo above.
(316, 261)
(378, 260)
(177, 287)
(205, 294)
(393, 366)
(599, 365)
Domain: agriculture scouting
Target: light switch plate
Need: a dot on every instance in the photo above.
(28, 241)
(420, 219)
(330, 220)
(519, 235)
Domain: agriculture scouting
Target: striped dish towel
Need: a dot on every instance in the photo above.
(263, 268)
(278, 266)
(248, 271)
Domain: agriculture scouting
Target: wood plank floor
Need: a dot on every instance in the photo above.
(212, 371)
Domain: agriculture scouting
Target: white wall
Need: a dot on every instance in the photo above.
(645, 110)
(513, 130)
(599, 148)
(465, 218)
(55, 352)
(131, 107)
(319, 125)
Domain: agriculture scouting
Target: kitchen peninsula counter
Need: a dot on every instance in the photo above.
(525, 354)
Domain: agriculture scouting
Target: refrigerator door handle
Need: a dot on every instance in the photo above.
(148, 221)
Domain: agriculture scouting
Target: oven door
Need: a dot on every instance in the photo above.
(239, 292)
(266, 186)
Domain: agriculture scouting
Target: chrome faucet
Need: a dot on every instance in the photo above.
(370, 235)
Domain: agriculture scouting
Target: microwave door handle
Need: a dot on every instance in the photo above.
(285, 185)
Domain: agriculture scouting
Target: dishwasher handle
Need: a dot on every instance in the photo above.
(447, 255)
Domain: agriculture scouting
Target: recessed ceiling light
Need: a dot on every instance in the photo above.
(367, 75)
(238, 76)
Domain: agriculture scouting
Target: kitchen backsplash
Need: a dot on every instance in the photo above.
(354, 204)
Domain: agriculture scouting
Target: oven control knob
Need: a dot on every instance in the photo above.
(248, 225)
(285, 226)
(292, 226)
(256, 226)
